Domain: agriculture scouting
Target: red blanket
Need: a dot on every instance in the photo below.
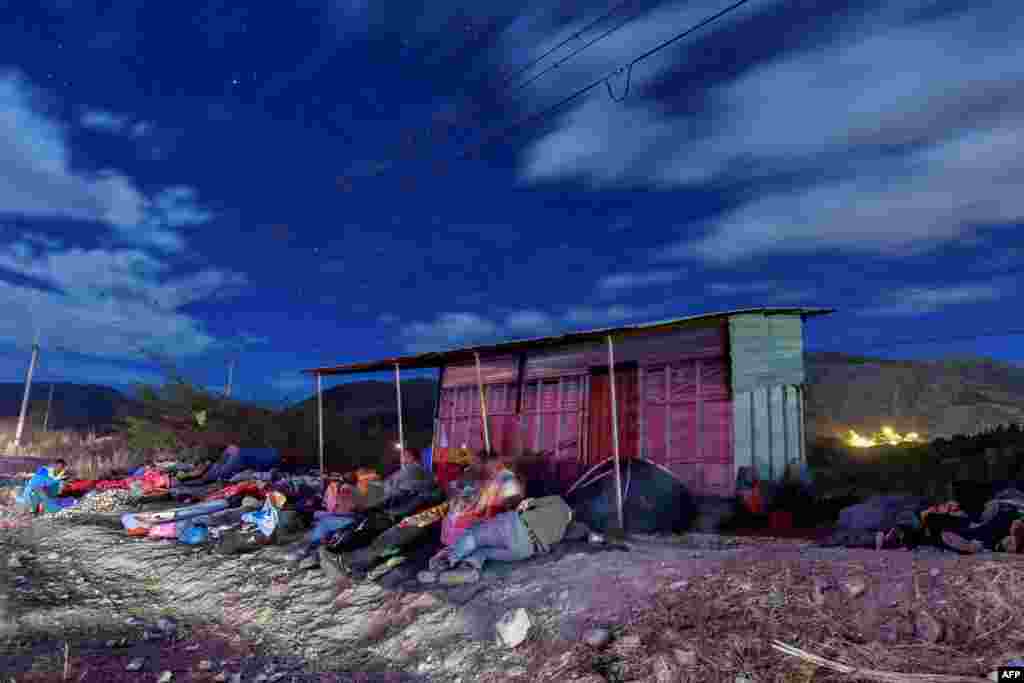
(109, 484)
(79, 487)
(242, 488)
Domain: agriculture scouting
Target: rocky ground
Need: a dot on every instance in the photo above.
(80, 601)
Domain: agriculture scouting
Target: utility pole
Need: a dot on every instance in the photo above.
(28, 390)
(231, 372)
(49, 402)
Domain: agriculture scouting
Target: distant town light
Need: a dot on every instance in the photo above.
(887, 435)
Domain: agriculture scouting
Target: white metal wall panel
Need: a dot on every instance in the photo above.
(762, 435)
(767, 430)
(777, 417)
(794, 453)
(766, 351)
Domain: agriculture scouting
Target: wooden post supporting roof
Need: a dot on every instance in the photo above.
(398, 395)
(320, 420)
(483, 403)
(615, 432)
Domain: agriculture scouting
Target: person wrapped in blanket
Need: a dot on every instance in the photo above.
(1000, 527)
(491, 487)
(533, 527)
(348, 506)
(231, 462)
(502, 491)
(41, 491)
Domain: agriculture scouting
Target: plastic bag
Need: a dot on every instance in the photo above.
(267, 518)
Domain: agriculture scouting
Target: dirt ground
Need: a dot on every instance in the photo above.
(696, 608)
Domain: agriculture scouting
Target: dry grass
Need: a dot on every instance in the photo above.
(88, 457)
(767, 620)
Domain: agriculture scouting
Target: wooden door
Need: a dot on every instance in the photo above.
(599, 432)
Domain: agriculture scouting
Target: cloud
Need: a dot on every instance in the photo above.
(878, 160)
(107, 303)
(37, 179)
(43, 241)
(921, 300)
(177, 207)
(622, 282)
(529, 322)
(114, 124)
(452, 330)
(448, 330)
(254, 340)
(291, 383)
(589, 315)
(103, 121)
(55, 366)
(763, 289)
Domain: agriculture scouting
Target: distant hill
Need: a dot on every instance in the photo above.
(938, 399)
(75, 406)
(361, 420)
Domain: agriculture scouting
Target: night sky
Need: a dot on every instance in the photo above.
(302, 185)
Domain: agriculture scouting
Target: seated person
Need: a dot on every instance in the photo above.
(410, 479)
(410, 482)
(41, 491)
(502, 491)
(533, 527)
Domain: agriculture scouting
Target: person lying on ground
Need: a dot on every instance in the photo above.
(197, 471)
(403, 493)
(41, 491)
(234, 460)
(388, 549)
(999, 528)
(533, 527)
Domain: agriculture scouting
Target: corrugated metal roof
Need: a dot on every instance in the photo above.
(434, 359)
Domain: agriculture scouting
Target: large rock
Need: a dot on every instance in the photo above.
(514, 627)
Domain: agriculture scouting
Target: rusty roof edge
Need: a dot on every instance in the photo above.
(424, 360)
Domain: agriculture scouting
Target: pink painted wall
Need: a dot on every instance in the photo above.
(684, 405)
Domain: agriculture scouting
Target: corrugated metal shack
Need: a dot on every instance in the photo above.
(700, 396)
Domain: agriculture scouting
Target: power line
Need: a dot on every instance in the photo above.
(580, 49)
(575, 36)
(506, 84)
(624, 69)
